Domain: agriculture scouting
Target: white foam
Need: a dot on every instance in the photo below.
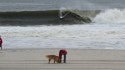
(64, 36)
(111, 16)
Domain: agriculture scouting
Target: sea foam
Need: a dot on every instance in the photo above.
(111, 16)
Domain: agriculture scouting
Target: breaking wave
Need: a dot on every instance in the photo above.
(51, 17)
(111, 16)
(26, 18)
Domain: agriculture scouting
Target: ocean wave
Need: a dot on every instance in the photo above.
(49, 17)
(52, 17)
(110, 16)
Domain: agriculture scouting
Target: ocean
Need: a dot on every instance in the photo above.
(40, 5)
(37, 24)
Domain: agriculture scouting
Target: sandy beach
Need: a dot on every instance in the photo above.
(77, 59)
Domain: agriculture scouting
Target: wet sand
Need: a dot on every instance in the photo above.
(77, 59)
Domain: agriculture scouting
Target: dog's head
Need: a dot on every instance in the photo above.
(59, 60)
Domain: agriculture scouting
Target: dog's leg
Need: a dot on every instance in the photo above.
(49, 60)
(54, 61)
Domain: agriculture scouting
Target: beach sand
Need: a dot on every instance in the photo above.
(77, 59)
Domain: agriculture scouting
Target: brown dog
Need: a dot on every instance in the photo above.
(53, 57)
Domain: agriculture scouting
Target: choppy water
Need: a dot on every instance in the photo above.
(92, 36)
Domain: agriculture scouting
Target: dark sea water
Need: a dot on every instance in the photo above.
(27, 18)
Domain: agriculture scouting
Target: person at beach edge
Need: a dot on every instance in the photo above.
(1, 42)
(62, 52)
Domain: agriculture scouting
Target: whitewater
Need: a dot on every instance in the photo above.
(107, 31)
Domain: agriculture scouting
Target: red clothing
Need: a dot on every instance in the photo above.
(62, 52)
(1, 41)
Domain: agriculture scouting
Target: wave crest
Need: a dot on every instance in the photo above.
(111, 16)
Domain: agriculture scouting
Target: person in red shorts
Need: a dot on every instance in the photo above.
(62, 52)
(1, 42)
